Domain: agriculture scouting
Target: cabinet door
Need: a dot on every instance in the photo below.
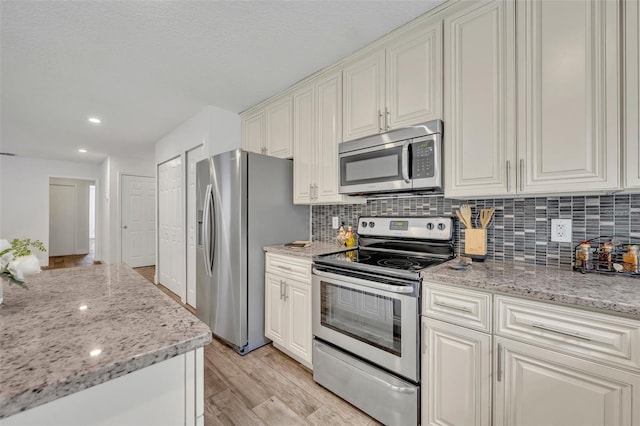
(364, 97)
(632, 93)
(328, 113)
(479, 95)
(279, 128)
(303, 144)
(298, 301)
(414, 78)
(253, 132)
(568, 95)
(456, 375)
(274, 314)
(535, 386)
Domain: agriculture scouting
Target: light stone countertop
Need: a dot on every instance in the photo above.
(317, 248)
(46, 340)
(616, 294)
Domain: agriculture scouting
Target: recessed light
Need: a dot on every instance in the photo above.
(82, 150)
(95, 352)
(95, 120)
(83, 307)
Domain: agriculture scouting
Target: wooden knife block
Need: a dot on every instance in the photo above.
(475, 241)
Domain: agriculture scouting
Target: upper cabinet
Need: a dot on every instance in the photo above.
(269, 128)
(317, 132)
(631, 130)
(479, 99)
(568, 95)
(566, 135)
(397, 85)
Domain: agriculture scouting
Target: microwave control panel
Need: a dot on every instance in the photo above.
(423, 158)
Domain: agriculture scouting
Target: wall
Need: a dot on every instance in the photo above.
(24, 196)
(521, 227)
(112, 170)
(81, 243)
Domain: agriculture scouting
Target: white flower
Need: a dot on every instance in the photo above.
(24, 265)
(4, 244)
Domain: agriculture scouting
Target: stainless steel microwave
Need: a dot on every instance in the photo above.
(406, 159)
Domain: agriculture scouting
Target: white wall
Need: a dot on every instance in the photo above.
(24, 196)
(218, 130)
(112, 170)
(81, 243)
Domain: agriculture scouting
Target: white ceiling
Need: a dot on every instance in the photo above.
(144, 67)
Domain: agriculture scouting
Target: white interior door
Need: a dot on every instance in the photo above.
(138, 221)
(193, 157)
(171, 256)
(62, 220)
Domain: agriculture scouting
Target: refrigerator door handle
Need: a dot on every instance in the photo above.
(206, 221)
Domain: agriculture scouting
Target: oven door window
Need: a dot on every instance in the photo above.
(370, 167)
(370, 318)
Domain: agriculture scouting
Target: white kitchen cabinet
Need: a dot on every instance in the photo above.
(565, 138)
(288, 305)
(397, 85)
(456, 375)
(456, 356)
(631, 128)
(568, 95)
(479, 99)
(316, 128)
(536, 386)
(268, 129)
(253, 132)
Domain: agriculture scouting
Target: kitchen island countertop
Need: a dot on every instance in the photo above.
(79, 327)
(316, 248)
(616, 294)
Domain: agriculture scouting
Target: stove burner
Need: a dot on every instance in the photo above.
(363, 257)
(397, 263)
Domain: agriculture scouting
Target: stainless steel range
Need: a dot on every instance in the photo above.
(366, 314)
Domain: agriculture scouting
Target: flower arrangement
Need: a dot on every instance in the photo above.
(16, 260)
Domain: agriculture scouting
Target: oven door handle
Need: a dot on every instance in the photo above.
(405, 162)
(372, 284)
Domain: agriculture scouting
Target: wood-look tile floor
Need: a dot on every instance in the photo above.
(264, 387)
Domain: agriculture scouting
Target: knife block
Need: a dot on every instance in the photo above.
(475, 243)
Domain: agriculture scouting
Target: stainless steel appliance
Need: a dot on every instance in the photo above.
(366, 314)
(406, 159)
(243, 203)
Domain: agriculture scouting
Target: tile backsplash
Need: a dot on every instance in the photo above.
(520, 229)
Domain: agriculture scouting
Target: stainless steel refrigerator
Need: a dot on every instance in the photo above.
(244, 203)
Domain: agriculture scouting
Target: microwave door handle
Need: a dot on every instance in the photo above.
(405, 162)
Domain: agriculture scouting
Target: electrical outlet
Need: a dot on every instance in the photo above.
(561, 230)
(334, 222)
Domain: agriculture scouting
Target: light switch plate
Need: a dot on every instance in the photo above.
(561, 230)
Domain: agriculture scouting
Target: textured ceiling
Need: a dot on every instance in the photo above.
(144, 67)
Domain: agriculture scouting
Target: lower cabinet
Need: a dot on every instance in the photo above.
(456, 375)
(288, 315)
(536, 386)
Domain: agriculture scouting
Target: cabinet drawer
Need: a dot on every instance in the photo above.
(591, 335)
(467, 308)
(292, 267)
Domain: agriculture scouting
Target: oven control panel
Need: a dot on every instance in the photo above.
(428, 228)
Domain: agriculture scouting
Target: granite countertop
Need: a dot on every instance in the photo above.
(617, 294)
(317, 248)
(48, 336)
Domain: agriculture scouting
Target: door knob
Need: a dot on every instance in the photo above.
(124, 227)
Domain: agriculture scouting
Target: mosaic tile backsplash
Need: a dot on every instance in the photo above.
(520, 229)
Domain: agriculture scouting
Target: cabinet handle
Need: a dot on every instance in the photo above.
(285, 291)
(508, 176)
(387, 118)
(521, 174)
(424, 339)
(499, 362)
(286, 268)
(456, 307)
(315, 191)
(380, 129)
(281, 289)
(310, 192)
(560, 331)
